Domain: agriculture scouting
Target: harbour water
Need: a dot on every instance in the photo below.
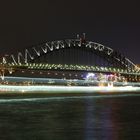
(71, 117)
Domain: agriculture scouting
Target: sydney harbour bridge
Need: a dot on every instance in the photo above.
(76, 59)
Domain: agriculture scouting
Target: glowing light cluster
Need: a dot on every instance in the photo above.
(90, 76)
(104, 77)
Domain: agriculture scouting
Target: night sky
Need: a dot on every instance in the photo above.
(111, 23)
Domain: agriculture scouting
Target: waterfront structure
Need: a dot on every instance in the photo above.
(72, 59)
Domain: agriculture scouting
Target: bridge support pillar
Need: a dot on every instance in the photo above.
(2, 74)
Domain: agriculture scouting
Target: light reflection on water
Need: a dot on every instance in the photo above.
(65, 98)
(102, 117)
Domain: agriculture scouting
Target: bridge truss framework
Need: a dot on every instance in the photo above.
(25, 59)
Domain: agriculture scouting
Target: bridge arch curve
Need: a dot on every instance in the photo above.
(31, 54)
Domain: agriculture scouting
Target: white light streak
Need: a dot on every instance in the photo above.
(66, 89)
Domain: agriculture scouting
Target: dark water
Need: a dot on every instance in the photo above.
(71, 118)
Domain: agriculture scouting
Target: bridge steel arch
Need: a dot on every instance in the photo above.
(32, 53)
